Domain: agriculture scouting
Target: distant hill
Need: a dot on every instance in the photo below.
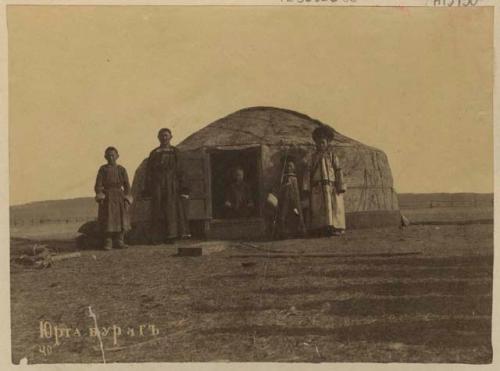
(71, 210)
(424, 200)
(85, 208)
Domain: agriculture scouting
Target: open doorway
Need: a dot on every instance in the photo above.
(225, 182)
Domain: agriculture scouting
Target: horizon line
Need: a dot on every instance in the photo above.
(91, 196)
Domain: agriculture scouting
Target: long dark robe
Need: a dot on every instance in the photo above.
(290, 224)
(113, 213)
(164, 183)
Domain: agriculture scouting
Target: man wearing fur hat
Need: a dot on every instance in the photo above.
(324, 183)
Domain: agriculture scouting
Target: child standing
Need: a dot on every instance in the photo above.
(290, 220)
(112, 190)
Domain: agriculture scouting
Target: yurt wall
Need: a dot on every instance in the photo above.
(258, 139)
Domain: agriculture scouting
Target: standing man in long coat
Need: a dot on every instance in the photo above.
(164, 185)
(325, 184)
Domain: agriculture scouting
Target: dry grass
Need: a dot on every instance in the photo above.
(363, 300)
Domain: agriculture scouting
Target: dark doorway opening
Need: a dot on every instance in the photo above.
(223, 164)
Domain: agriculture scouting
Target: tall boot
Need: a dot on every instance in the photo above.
(120, 238)
(108, 242)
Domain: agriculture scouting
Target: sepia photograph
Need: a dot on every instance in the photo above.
(287, 183)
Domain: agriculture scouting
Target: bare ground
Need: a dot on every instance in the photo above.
(419, 294)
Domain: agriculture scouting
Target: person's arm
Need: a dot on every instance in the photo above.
(146, 191)
(181, 180)
(126, 186)
(99, 186)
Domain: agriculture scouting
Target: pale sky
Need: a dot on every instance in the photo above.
(414, 82)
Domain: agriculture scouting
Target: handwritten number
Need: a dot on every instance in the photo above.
(46, 350)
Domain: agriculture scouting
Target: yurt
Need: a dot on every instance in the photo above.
(257, 139)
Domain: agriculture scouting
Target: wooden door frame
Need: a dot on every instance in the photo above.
(260, 182)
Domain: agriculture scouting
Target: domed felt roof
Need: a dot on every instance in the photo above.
(261, 125)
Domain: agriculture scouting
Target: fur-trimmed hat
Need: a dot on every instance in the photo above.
(323, 131)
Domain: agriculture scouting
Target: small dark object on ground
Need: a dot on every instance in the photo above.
(90, 228)
(189, 251)
(90, 236)
(248, 264)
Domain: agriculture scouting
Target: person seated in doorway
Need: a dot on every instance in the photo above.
(238, 201)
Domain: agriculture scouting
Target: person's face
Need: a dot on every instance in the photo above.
(164, 137)
(290, 167)
(239, 175)
(322, 144)
(111, 156)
